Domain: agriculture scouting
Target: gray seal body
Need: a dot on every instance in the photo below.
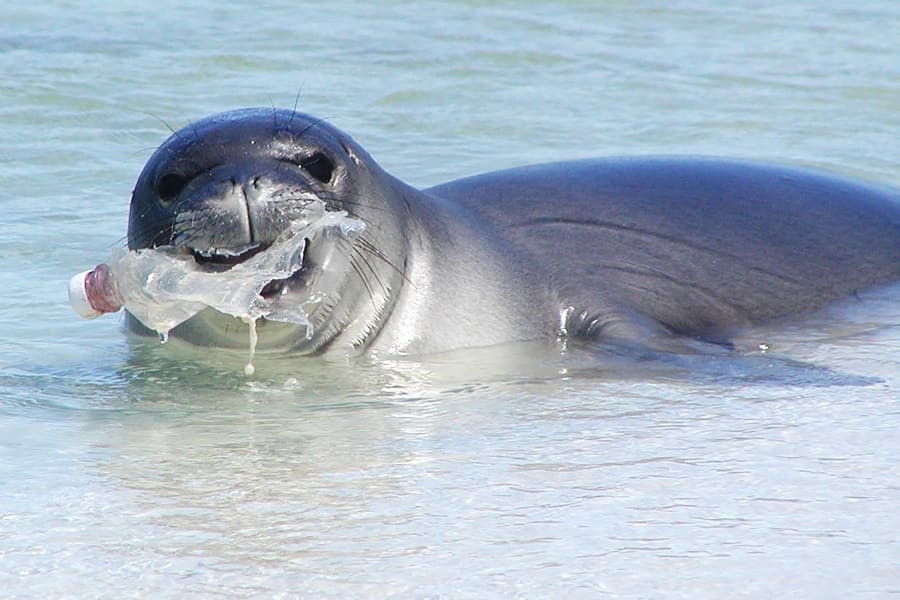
(645, 251)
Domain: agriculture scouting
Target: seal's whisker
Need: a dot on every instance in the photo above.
(194, 129)
(165, 123)
(359, 257)
(152, 231)
(296, 104)
(362, 277)
(371, 249)
(313, 124)
(344, 202)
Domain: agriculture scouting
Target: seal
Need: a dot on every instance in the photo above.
(644, 251)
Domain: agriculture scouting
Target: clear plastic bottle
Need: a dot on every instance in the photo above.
(160, 288)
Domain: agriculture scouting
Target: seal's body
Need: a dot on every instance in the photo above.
(697, 246)
(638, 251)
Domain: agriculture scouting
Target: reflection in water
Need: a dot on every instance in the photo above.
(584, 478)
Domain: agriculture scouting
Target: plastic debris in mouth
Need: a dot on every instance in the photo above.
(164, 287)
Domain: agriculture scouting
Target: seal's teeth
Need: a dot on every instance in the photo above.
(226, 256)
(248, 250)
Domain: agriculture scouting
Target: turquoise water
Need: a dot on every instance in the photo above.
(132, 469)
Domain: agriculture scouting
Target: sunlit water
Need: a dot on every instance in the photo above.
(134, 469)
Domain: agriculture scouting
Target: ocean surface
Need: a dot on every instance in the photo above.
(133, 469)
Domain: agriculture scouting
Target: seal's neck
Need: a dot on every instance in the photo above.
(460, 287)
(380, 272)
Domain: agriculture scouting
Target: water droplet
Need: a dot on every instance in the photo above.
(163, 337)
(763, 347)
(250, 369)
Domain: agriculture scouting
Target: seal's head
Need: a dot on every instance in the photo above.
(224, 188)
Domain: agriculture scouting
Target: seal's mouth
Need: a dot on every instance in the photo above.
(222, 259)
(219, 260)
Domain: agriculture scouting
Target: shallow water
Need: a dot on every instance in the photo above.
(130, 468)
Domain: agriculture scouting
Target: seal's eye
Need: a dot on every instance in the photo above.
(319, 166)
(169, 186)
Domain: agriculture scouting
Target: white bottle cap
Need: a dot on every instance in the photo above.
(78, 297)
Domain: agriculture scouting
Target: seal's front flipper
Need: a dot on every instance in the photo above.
(634, 331)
